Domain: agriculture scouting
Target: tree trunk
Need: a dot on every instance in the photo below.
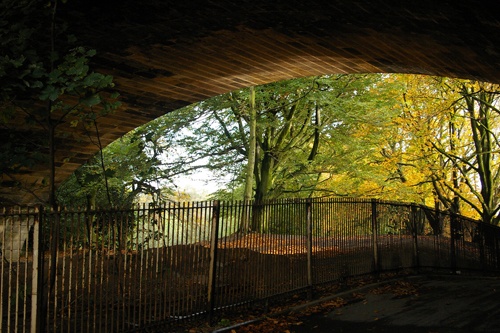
(266, 172)
(259, 222)
(252, 142)
(251, 150)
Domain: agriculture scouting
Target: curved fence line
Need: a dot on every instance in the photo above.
(124, 270)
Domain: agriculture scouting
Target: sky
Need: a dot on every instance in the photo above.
(198, 185)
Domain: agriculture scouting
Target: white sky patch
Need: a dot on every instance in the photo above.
(199, 182)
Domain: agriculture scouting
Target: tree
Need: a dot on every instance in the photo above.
(282, 127)
(351, 161)
(48, 85)
(251, 148)
(307, 131)
(127, 169)
(454, 124)
(480, 107)
(423, 120)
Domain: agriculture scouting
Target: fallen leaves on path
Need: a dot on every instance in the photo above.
(288, 323)
(398, 288)
(277, 244)
(285, 323)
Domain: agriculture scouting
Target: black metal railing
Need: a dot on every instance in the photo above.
(123, 270)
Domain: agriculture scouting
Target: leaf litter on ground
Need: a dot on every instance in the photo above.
(278, 318)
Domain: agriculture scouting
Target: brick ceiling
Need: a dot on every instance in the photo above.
(167, 54)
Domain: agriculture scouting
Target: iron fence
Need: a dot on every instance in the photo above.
(123, 270)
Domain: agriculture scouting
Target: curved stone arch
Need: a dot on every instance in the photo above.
(165, 55)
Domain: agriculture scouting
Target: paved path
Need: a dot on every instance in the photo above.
(444, 304)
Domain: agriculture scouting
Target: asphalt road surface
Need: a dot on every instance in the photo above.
(443, 304)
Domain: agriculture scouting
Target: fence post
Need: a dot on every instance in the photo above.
(453, 235)
(482, 255)
(37, 307)
(376, 264)
(415, 217)
(309, 224)
(35, 292)
(213, 258)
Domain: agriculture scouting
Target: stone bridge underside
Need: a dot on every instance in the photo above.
(168, 54)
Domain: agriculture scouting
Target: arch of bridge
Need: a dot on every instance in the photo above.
(165, 55)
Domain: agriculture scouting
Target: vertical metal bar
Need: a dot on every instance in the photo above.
(36, 277)
(93, 274)
(174, 258)
(188, 260)
(155, 261)
(130, 264)
(77, 253)
(53, 265)
(100, 256)
(108, 268)
(232, 218)
(438, 234)
(27, 286)
(117, 273)
(148, 291)
(78, 242)
(164, 261)
(496, 251)
(83, 238)
(225, 271)
(67, 260)
(290, 232)
(207, 218)
(309, 223)
(194, 264)
(339, 208)
(135, 269)
(267, 207)
(18, 266)
(141, 269)
(249, 244)
(213, 258)
(3, 224)
(197, 260)
(11, 269)
(415, 218)
(482, 257)
(45, 271)
(182, 256)
(375, 236)
(90, 273)
(84, 252)
(453, 235)
(94, 284)
(65, 295)
(126, 231)
(104, 255)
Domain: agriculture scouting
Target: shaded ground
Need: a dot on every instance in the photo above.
(435, 304)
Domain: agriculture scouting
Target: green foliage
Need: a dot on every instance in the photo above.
(307, 130)
(349, 135)
(133, 167)
(47, 82)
